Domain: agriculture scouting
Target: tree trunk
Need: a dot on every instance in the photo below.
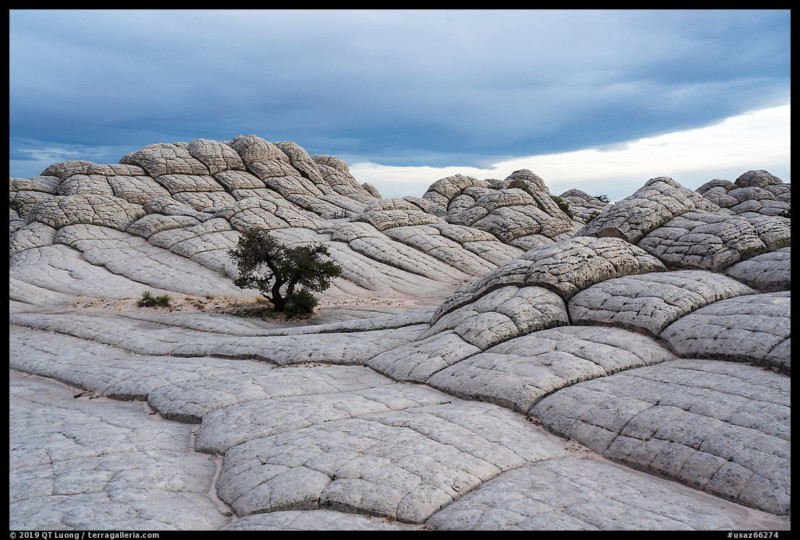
(278, 301)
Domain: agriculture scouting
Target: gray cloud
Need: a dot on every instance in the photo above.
(408, 87)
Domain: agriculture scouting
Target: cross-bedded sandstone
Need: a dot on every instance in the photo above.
(519, 372)
(584, 207)
(768, 272)
(586, 494)
(714, 241)
(565, 268)
(165, 158)
(754, 191)
(109, 211)
(316, 520)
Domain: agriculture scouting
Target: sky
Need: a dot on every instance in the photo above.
(600, 100)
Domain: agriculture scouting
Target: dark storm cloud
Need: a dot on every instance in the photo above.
(395, 87)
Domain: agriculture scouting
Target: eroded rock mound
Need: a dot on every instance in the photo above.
(753, 191)
(651, 301)
(754, 329)
(654, 204)
(584, 207)
(565, 268)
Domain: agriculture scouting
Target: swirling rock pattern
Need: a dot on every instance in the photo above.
(481, 363)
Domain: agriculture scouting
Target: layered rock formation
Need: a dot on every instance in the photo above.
(485, 360)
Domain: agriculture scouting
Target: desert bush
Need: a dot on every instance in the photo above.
(148, 300)
(282, 274)
(520, 184)
(603, 198)
(562, 205)
(301, 303)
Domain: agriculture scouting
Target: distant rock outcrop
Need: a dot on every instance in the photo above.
(753, 191)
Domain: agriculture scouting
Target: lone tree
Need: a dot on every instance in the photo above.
(276, 271)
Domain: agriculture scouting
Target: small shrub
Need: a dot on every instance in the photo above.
(786, 213)
(562, 204)
(301, 304)
(592, 216)
(148, 300)
(520, 184)
(603, 198)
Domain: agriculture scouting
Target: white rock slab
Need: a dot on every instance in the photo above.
(84, 464)
(591, 494)
(716, 426)
(403, 465)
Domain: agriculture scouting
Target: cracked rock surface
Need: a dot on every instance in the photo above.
(651, 301)
(651, 206)
(484, 361)
(518, 373)
(565, 494)
(768, 272)
(317, 520)
(711, 425)
(712, 241)
(83, 464)
(366, 463)
(754, 329)
(584, 207)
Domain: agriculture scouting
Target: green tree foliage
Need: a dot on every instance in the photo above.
(284, 276)
(562, 205)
